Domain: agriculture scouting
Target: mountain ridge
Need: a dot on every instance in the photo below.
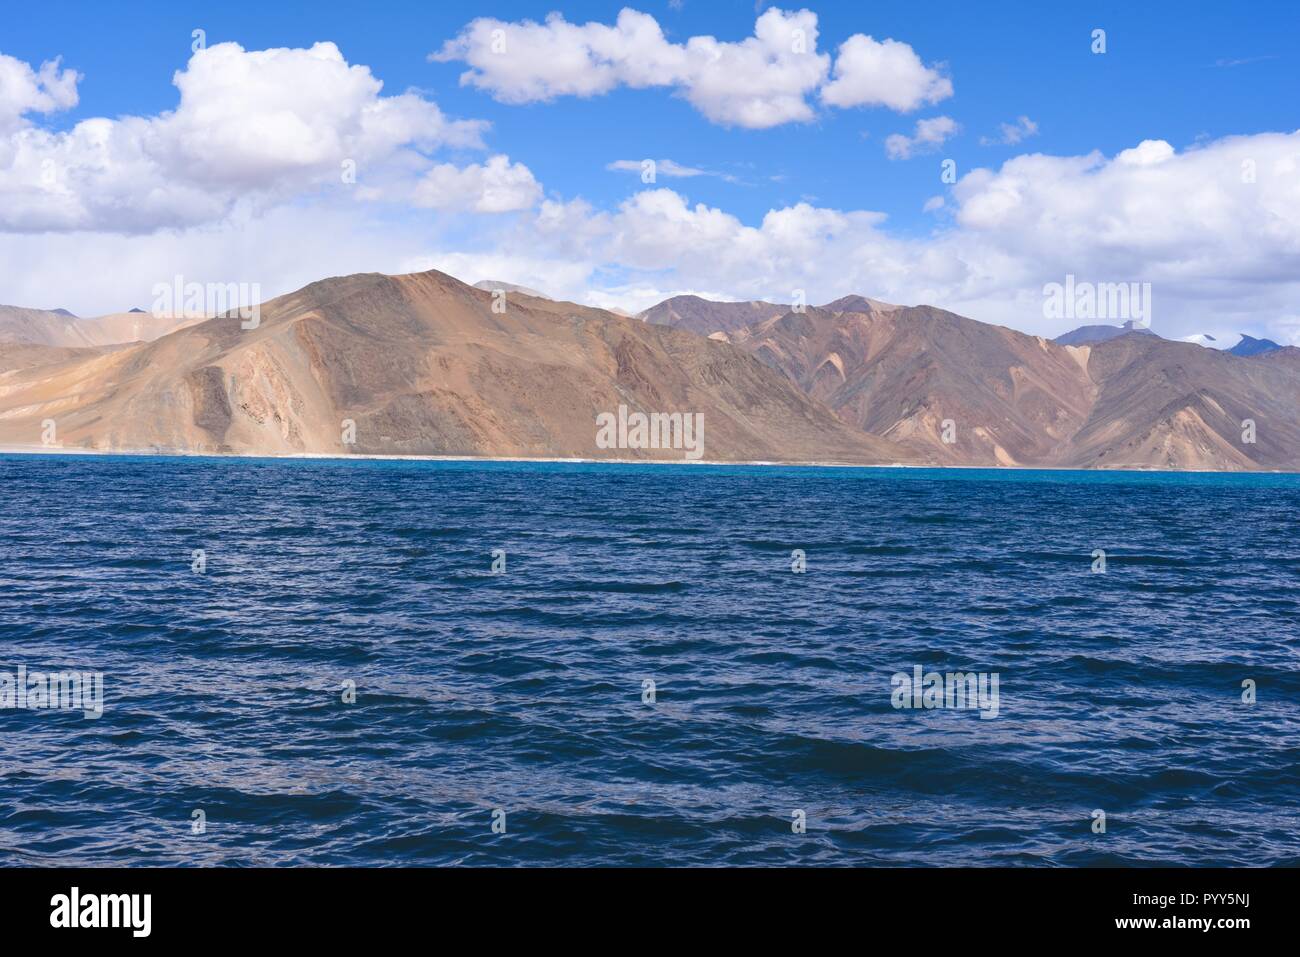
(424, 364)
(419, 365)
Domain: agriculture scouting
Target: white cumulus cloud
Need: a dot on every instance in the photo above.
(250, 125)
(762, 81)
(497, 186)
(24, 90)
(1215, 229)
(870, 72)
(928, 136)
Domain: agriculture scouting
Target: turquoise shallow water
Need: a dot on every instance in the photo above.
(520, 696)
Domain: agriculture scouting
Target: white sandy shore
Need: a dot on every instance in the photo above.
(59, 450)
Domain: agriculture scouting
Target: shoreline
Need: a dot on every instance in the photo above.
(557, 460)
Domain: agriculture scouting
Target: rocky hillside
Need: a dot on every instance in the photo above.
(418, 364)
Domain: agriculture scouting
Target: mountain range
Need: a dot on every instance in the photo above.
(424, 364)
(416, 364)
(58, 327)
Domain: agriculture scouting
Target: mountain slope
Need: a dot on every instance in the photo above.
(421, 364)
(1132, 401)
(1177, 405)
(1013, 399)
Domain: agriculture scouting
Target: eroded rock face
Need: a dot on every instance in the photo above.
(209, 402)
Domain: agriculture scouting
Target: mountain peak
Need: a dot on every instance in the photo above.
(705, 316)
(1091, 335)
(1250, 346)
(856, 303)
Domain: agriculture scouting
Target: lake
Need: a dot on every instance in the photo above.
(403, 663)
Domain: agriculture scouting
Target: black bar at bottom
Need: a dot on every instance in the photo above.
(337, 906)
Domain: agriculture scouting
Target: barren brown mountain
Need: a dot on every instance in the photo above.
(1135, 401)
(1181, 406)
(422, 364)
(1012, 399)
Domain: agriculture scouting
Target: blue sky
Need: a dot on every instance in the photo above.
(1184, 74)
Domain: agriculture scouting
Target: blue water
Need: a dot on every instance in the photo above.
(522, 692)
